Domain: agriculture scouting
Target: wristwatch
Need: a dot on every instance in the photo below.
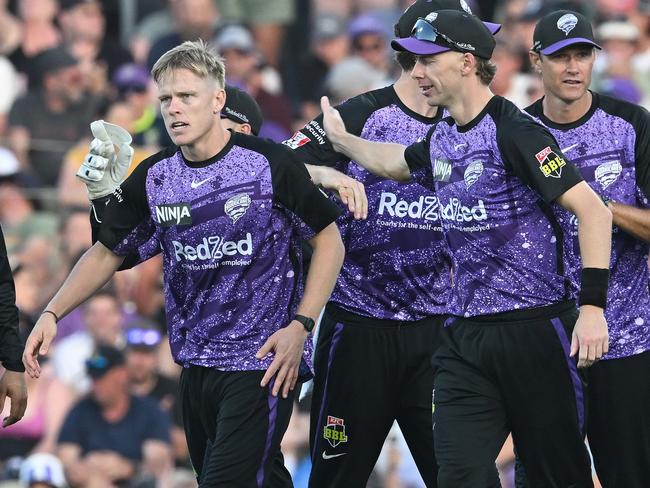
(307, 322)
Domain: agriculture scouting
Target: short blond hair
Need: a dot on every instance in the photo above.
(194, 56)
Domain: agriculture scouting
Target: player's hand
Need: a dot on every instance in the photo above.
(108, 160)
(38, 343)
(351, 192)
(332, 123)
(288, 345)
(590, 339)
(12, 386)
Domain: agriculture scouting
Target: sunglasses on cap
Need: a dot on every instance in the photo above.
(424, 31)
(143, 337)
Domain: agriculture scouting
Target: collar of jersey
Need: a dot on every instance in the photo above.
(213, 159)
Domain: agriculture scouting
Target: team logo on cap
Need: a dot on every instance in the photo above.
(465, 7)
(334, 431)
(431, 17)
(235, 207)
(550, 164)
(567, 23)
(607, 173)
(473, 173)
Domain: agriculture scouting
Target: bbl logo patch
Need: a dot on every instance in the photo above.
(334, 431)
(173, 214)
(608, 173)
(297, 140)
(550, 164)
(567, 23)
(235, 207)
(473, 173)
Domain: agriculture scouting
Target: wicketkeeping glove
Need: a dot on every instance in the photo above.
(104, 167)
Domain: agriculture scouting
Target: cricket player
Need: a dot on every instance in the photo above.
(508, 361)
(227, 210)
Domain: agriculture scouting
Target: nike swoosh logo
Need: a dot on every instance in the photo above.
(567, 149)
(330, 456)
(196, 184)
(458, 146)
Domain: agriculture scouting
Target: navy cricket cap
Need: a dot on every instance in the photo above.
(103, 360)
(242, 108)
(560, 29)
(422, 8)
(448, 30)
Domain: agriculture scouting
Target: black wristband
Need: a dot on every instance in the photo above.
(593, 288)
(56, 317)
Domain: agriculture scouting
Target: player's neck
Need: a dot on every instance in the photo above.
(409, 93)
(207, 146)
(563, 112)
(465, 107)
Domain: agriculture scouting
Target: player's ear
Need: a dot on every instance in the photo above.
(219, 100)
(468, 64)
(535, 61)
(244, 128)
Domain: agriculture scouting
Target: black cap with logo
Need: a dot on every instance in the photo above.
(560, 29)
(422, 8)
(242, 108)
(103, 359)
(448, 30)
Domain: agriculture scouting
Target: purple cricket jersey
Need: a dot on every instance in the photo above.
(610, 145)
(396, 264)
(229, 229)
(494, 178)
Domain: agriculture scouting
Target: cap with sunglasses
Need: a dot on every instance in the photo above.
(143, 337)
(242, 108)
(560, 29)
(422, 8)
(448, 30)
(103, 360)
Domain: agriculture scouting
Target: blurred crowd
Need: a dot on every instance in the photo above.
(64, 63)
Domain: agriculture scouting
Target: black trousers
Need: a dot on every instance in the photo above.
(234, 428)
(503, 373)
(619, 421)
(370, 373)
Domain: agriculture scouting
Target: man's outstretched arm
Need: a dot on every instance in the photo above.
(91, 272)
(383, 159)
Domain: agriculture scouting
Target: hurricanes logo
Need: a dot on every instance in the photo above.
(235, 207)
(431, 17)
(607, 173)
(473, 173)
(550, 164)
(567, 23)
(334, 431)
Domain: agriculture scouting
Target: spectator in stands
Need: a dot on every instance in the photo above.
(370, 41)
(509, 81)
(45, 124)
(112, 436)
(142, 342)
(132, 82)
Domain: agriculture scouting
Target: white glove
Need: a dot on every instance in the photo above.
(104, 168)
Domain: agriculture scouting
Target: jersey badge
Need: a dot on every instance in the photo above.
(235, 207)
(607, 173)
(297, 140)
(473, 173)
(334, 431)
(550, 164)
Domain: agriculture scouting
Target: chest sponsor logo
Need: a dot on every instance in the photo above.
(472, 173)
(607, 173)
(567, 23)
(334, 431)
(173, 214)
(213, 247)
(297, 140)
(441, 170)
(430, 208)
(235, 207)
(550, 164)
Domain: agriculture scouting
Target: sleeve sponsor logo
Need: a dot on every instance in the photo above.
(473, 173)
(297, 140)
(550, 164)
(173, 214)
(235, 207)
(117, 193)
(607, 173)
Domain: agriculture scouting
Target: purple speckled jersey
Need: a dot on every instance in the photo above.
(494, 179)
(396, 264)
(610, 145)
(229, 232)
